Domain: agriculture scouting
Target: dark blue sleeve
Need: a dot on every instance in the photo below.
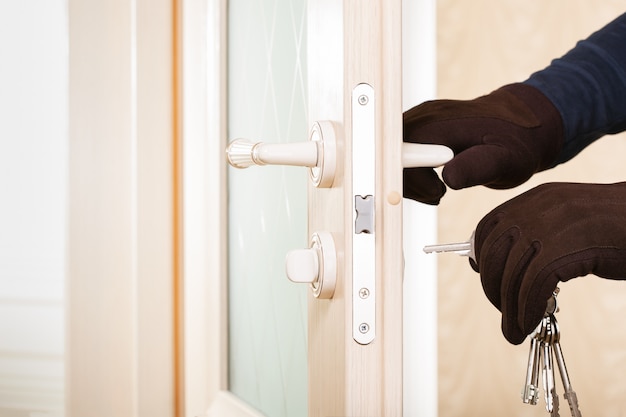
(588, 87)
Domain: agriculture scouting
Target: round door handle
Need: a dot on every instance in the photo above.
(319, 154)
(316, 266)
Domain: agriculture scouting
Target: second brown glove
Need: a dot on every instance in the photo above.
(552, 233)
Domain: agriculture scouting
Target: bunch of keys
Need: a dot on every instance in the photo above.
(544, 347)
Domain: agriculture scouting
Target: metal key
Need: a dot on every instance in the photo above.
(530, 393)
(547, 339)
(570, 394)
(461, 248)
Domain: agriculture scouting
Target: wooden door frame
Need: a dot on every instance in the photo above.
(205, 210)
(205, 60)
(204, 124)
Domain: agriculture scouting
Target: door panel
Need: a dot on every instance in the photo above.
(354, 338)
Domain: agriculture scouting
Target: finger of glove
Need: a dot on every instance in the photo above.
(423, 185)
(507, 284)
(502, 272)
(516, 305)
(478, 165)
(536, 289)
(492, 260)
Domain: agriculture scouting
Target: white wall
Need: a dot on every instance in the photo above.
(33, 201)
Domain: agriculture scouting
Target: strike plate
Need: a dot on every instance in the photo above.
(363, 209)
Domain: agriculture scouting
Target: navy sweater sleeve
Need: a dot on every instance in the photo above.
(588, 87)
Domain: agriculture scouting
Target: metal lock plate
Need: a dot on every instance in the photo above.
(364, 212)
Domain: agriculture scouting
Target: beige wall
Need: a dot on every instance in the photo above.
(482, 45)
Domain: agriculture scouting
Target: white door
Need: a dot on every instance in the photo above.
(349, 84)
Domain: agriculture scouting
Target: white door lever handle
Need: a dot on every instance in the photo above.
(242, 153)
(416, 155)
(318, 154)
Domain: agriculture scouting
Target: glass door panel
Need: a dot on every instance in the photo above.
(267, 207)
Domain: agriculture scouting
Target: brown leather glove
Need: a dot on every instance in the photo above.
(499, 140)
(554, 232)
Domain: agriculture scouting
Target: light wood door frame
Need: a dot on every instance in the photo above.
(204, 89)
(204, 75)
(350, 42)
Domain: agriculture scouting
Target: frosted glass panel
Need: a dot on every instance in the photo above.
(33, 219)
(267, 207)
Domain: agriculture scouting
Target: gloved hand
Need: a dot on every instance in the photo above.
(554, 232)
(499, 140)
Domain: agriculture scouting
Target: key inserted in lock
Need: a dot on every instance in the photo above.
(461, 248)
